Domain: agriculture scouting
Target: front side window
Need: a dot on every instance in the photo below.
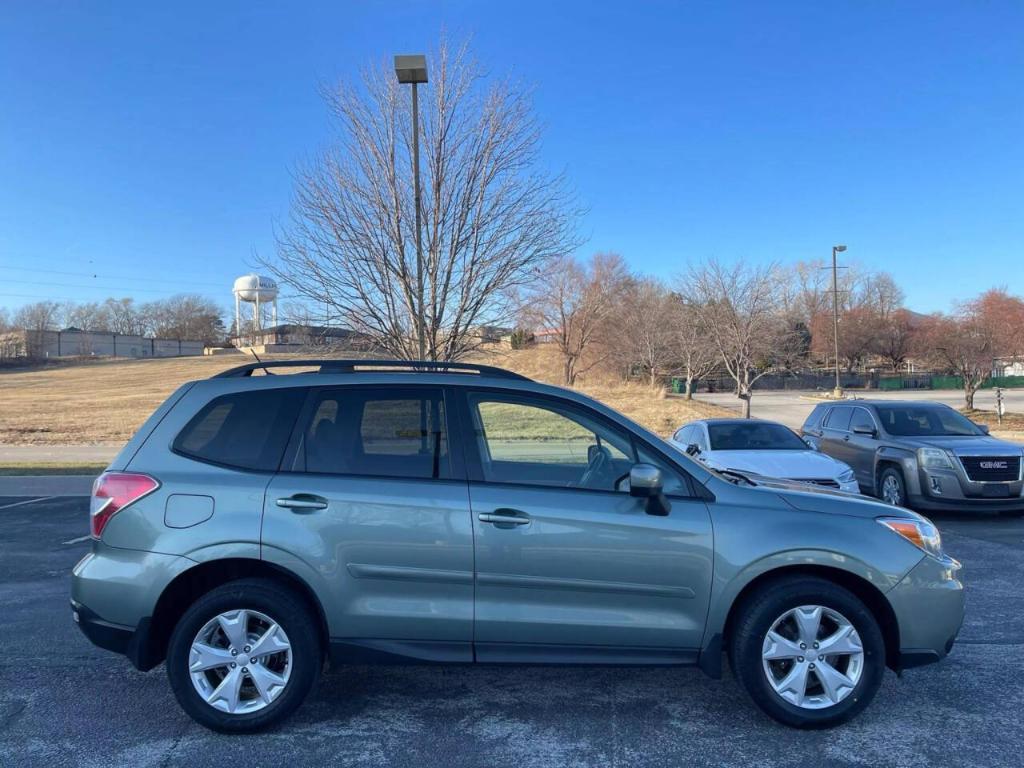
(536, 443)
(925, 421)
(248, 430)
(375, 433)
(861, 420)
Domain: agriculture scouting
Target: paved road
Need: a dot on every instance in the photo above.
(792, 407)
(65, 703)
(85, 454)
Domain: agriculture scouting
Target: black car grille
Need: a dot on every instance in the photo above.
(991, 469)
(823, 482)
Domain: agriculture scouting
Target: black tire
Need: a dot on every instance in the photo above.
(896, 476)
(758, 613)
(283, 606)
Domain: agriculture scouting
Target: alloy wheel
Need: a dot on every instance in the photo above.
(240, 661)
(891, 491)
(813, 657)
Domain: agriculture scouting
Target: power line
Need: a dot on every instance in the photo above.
(88, 286)
(110, 277)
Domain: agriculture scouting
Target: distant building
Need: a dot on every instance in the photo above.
(547, 335)
(1008, 366)
(73, 342)
(290, 337)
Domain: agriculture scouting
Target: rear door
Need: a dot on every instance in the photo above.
(860, 449)
(568, 564)
(835, 432)
(374, 507)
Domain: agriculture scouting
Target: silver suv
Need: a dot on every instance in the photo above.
(258, 526)
(920, 454)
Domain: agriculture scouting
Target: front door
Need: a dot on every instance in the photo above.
(569, 567)
(376, 507)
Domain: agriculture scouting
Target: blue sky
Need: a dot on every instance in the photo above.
(156, 141)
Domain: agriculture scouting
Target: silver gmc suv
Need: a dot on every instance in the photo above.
(921, 455)
(258, 526)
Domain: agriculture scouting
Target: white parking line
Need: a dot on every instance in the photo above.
(26, 501)
(75, 541)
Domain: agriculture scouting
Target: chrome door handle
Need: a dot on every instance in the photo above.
(302, 502)
(504, 517)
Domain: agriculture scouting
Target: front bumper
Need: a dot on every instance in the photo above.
(929, 607)
(952, 489)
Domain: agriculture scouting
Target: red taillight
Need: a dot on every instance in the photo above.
(112, 492)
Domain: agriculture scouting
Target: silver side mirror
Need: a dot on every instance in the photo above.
(645, 482)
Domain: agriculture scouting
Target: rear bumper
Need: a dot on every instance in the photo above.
(114, 593)
(132, 642)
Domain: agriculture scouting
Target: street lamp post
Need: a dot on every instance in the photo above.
(413, 70)
(838, 392)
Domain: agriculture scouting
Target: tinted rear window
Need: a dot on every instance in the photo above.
(248, 430)
(839, 418)
(397, 433)
(814, 420)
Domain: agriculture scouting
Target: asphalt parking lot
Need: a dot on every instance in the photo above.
(65, 703)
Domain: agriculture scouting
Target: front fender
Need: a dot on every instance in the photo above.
(907, 460)
(727, 591)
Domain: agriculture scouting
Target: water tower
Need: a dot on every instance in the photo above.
(258, 291)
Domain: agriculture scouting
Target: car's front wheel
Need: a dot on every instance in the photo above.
(244, 656)
(891, 487)
(807, 651)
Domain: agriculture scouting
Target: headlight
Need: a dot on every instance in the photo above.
(933, 458)
(847, 476)
(921, 534)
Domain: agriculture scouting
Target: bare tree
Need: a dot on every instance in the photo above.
(644, 328)
(969, 341)
(740, 308)
(124, 317)
(87, 316)
(491, 217)
(35, 319)
(574, 305)
(692, 344)
(185, 316)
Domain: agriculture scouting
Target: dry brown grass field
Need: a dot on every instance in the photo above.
(105, 401)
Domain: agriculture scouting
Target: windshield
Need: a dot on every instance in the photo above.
(925, 421)
(753, 436)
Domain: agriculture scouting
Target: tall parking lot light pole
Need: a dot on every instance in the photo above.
(838, 392)
(413, 70)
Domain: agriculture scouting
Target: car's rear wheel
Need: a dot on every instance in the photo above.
(808, 652)
(891, 487)
(244, 656)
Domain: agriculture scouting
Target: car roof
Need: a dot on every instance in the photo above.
(905, 403)
(710, 422)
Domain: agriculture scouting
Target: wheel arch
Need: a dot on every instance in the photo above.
(189, 585)
(862, 588)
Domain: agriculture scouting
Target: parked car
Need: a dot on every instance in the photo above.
(374, 511)
(921, 455)
(764, 448)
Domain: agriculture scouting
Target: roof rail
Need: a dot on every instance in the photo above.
(358, 366)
